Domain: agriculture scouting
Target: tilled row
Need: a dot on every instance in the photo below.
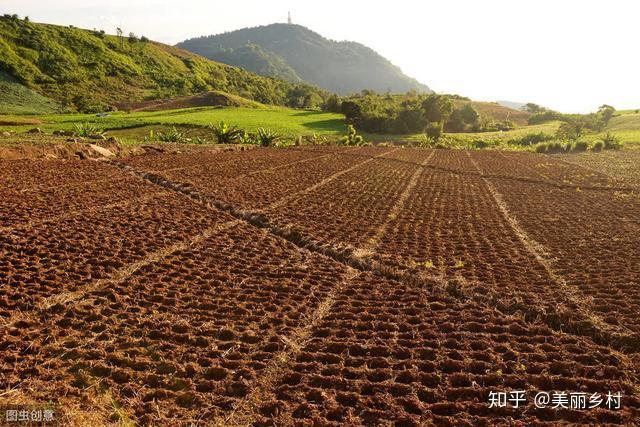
(592, 240)
(391, 354)
(38, 175)
(348, 210)
(177, 340)
(75, 251)
(259, 190)
(218, 165)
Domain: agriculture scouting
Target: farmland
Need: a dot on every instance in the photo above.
(320, 285)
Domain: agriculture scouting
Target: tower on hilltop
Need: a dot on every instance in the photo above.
(289, 18)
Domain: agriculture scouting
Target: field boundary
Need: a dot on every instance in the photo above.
(246, 412)
(344, 254)
(64, 298)
(373, 243)
(595, 324)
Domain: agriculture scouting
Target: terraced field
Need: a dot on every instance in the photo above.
(321, 286)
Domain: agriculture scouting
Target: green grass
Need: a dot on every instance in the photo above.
(16, 98)
(132, 127)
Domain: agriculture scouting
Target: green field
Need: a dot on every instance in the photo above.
(132, 126)
(289, 123)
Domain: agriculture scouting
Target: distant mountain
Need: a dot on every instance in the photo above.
(512, 105)
(294, 52)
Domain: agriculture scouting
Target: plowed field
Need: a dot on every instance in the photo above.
(321, 286)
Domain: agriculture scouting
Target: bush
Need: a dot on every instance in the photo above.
(226, 134)
(541, 148)
(580, 146)
(266, 137)
(434, 130)
(611, 142)
(531, 139)
(598, 145)
(87, 130)
(352, 138)
(554, 147)
(174, 135)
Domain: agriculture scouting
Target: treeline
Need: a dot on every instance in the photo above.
(413, 113)
(91, 71)
(574, 125)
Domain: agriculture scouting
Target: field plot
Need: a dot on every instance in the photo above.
(172, 289)
(621, 165)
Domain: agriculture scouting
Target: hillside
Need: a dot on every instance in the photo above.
(15, 98)
(90, 71)
(274, 50)
(496, 111)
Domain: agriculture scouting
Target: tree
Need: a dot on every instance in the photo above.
(351, 110)
(606, 113)
(532, 108)
(332, 104)
(437, 108)
(469, 114)
(572, 129)
(119, 33)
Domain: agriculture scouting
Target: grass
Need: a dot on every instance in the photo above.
(132, 127)
(16, 98)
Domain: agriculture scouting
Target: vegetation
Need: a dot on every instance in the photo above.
(305, 55)
(352, 138)
(174, 135)
(90, 71)
(87, 130)
(266, 137)
(16, 98)
(415, 113)
(226, 134)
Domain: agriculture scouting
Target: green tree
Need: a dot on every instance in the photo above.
(437, 108)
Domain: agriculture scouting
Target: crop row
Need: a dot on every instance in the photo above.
(350, 209)
(75, 251)
(262, 188)
(178, 340)
(593, 240)
(387, 353)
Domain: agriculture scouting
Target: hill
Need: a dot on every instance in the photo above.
(293, 51)
(15, 98)
(497, 111)
(90, 70)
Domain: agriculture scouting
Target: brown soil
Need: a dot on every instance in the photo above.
(214, 287)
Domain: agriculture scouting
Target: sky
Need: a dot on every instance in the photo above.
(569, 55)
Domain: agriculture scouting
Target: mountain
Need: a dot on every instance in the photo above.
(341, 67)
(513, 105)
(91, 71)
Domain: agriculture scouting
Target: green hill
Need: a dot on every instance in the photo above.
(89, 70)
(342, 67)
(15, 98)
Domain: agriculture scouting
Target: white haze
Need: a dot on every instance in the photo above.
(565, 54)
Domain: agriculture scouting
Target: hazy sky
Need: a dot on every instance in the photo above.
(568, 55)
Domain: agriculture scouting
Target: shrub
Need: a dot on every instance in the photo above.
(580, 146)
(531, 139)
(555, 147)
(434, 130)
(174, 135)
(226, 134)
(352, 138)
(611, 142)
(266, 137)
(598, 145)
(87, 130)
(541, 148)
